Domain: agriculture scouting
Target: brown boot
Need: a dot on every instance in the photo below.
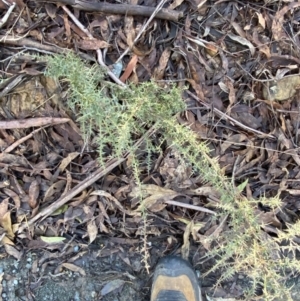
(175, 280)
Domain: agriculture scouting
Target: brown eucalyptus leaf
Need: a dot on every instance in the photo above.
(197, 87)
(185, 249)
(231, 91)
(3, 206)
(102, 210)
(261, 20)
(156, 193)
(6, 241)
(92, 230)
(74, 268)
(282, 89)
(12, 251)
(163, 61)
(232, 140)
(175, 3)
(203, 190)
(268, 218)
(100, 222)
(242, 41)
(129, 30)
(68, 184)
(54, 188)
(278, 28)
(66, 161)
(5, 222)
(111, 286)
(51, 10)
(131, 65)
(92, 44)
(111, 198)
(13, 160)
(34, 190)
(214, 232)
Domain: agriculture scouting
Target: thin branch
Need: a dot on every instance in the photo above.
(20, 141)
(225, 116)
(31, 122)
(156, 11)
(188, 206)
(98, 51)
(95, 176)
(22, 41)
(7, 14)
(99, 173)
(121, 9)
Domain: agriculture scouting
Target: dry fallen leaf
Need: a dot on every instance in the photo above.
(3, 207)
(92, 44)
(175, 3)
(156, 193)
(92, 230)
(282, 89)
(211, 48)
(163, 61)
(185, 249)
(12, 251)
(268, 218)
(66, 161)
(55, 188)
(261, 20)
(278, 28)
(5, 222)
(34, 190)
(242, 41)
(14, 196)
(111, 286)
(261, 46)
(231, 91)
(212, 234)
(129, 31)
(238, 138)
(52, 240)
(74, 268)
(6, 241)
(111, 198)
(51, 10)
(130, 67)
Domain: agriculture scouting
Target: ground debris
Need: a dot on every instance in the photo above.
(240, 67)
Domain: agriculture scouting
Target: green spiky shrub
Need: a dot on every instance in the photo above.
(122, 115)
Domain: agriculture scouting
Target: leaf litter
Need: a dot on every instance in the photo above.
(230, 56)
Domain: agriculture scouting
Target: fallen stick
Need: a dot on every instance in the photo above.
(227, 117)
(31, 122)
(121, 9)
(7, 14)
(155, 13)
(189, 206)
(22, 41)
(98, 51)
(99, 173)
(20, 141)
(95, 176)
